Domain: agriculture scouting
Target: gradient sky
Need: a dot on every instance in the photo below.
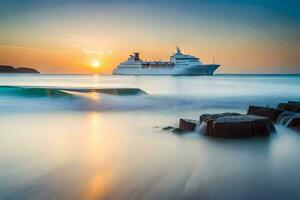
(57, 36)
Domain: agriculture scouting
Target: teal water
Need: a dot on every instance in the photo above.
(57, 144)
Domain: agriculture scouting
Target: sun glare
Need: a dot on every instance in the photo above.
(95, 63)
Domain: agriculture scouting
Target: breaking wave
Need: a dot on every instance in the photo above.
(31, 92)
(63, 92)
(116, 99)
(39, 98)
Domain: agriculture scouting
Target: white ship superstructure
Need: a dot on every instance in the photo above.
(179, 64)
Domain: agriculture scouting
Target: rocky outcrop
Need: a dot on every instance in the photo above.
(26, 70)
(174, 130)
(6, 69)
(258, 122)
(211, 117)
(227, 125)
(271, 113)
(294, 122)
(293, 106)
(11, 69)
(291, 115)
(168, 128)
(234, 125)
(284, 117)
(187, 124)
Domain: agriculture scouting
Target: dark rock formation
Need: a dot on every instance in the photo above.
(211, 117)
(187, 124)
(284, 117)
(168, 128)
(294, 102)
(258, 122)
(271, 113)
(294, 122)
(292, 106)
(10, 69)
(290, 117)
(6, 69)
(178, 131)
(25, 70)
(174, 130)
(234, 125)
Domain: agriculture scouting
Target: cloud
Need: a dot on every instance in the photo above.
(98, 52)
(86, 44)
(34, 49)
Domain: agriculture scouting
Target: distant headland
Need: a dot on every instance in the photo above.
(11, 69)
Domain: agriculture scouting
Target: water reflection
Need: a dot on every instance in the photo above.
(99, 186)
(92, 155)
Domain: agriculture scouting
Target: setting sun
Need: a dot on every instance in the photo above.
(95, 63)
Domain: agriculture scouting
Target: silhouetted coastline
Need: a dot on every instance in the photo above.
(11, 69)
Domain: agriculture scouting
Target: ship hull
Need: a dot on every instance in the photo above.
(200, 70)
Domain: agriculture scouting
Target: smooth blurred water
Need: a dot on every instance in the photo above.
(98, 146)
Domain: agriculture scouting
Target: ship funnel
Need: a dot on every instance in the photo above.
(178, 50)
(136, 56)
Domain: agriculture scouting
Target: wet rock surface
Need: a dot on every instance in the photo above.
(210, 117)
(168, 128)
(293, 106)
(291, 116)
(227, 125)
(288, 117)
(258, 122)
(234, 125)
(174, 130)
(294, 121)
(284, 117)
(187, 124)
(271, 113)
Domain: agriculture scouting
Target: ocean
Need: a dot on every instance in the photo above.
(83, 144)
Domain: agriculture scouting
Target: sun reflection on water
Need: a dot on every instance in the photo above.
(98, 186)
(98, 157)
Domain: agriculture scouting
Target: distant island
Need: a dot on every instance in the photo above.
(11, 69)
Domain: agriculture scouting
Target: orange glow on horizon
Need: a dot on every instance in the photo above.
(232, 60)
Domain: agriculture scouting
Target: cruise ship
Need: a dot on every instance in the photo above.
(179, 64)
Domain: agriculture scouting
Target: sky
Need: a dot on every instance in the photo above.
(59, 36)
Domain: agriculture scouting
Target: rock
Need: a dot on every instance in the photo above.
(11, 69)
(187, 124)
(292, 106)
(6, 69)
(168, 128)
(290, 117)
(235, 125)
(285, 117)
(294, 122)
(211, 117)
(178, 131)
(271, 113)
(26, 70)
(294, 102)
(173, 129)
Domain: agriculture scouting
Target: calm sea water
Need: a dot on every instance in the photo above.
(99, 146)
